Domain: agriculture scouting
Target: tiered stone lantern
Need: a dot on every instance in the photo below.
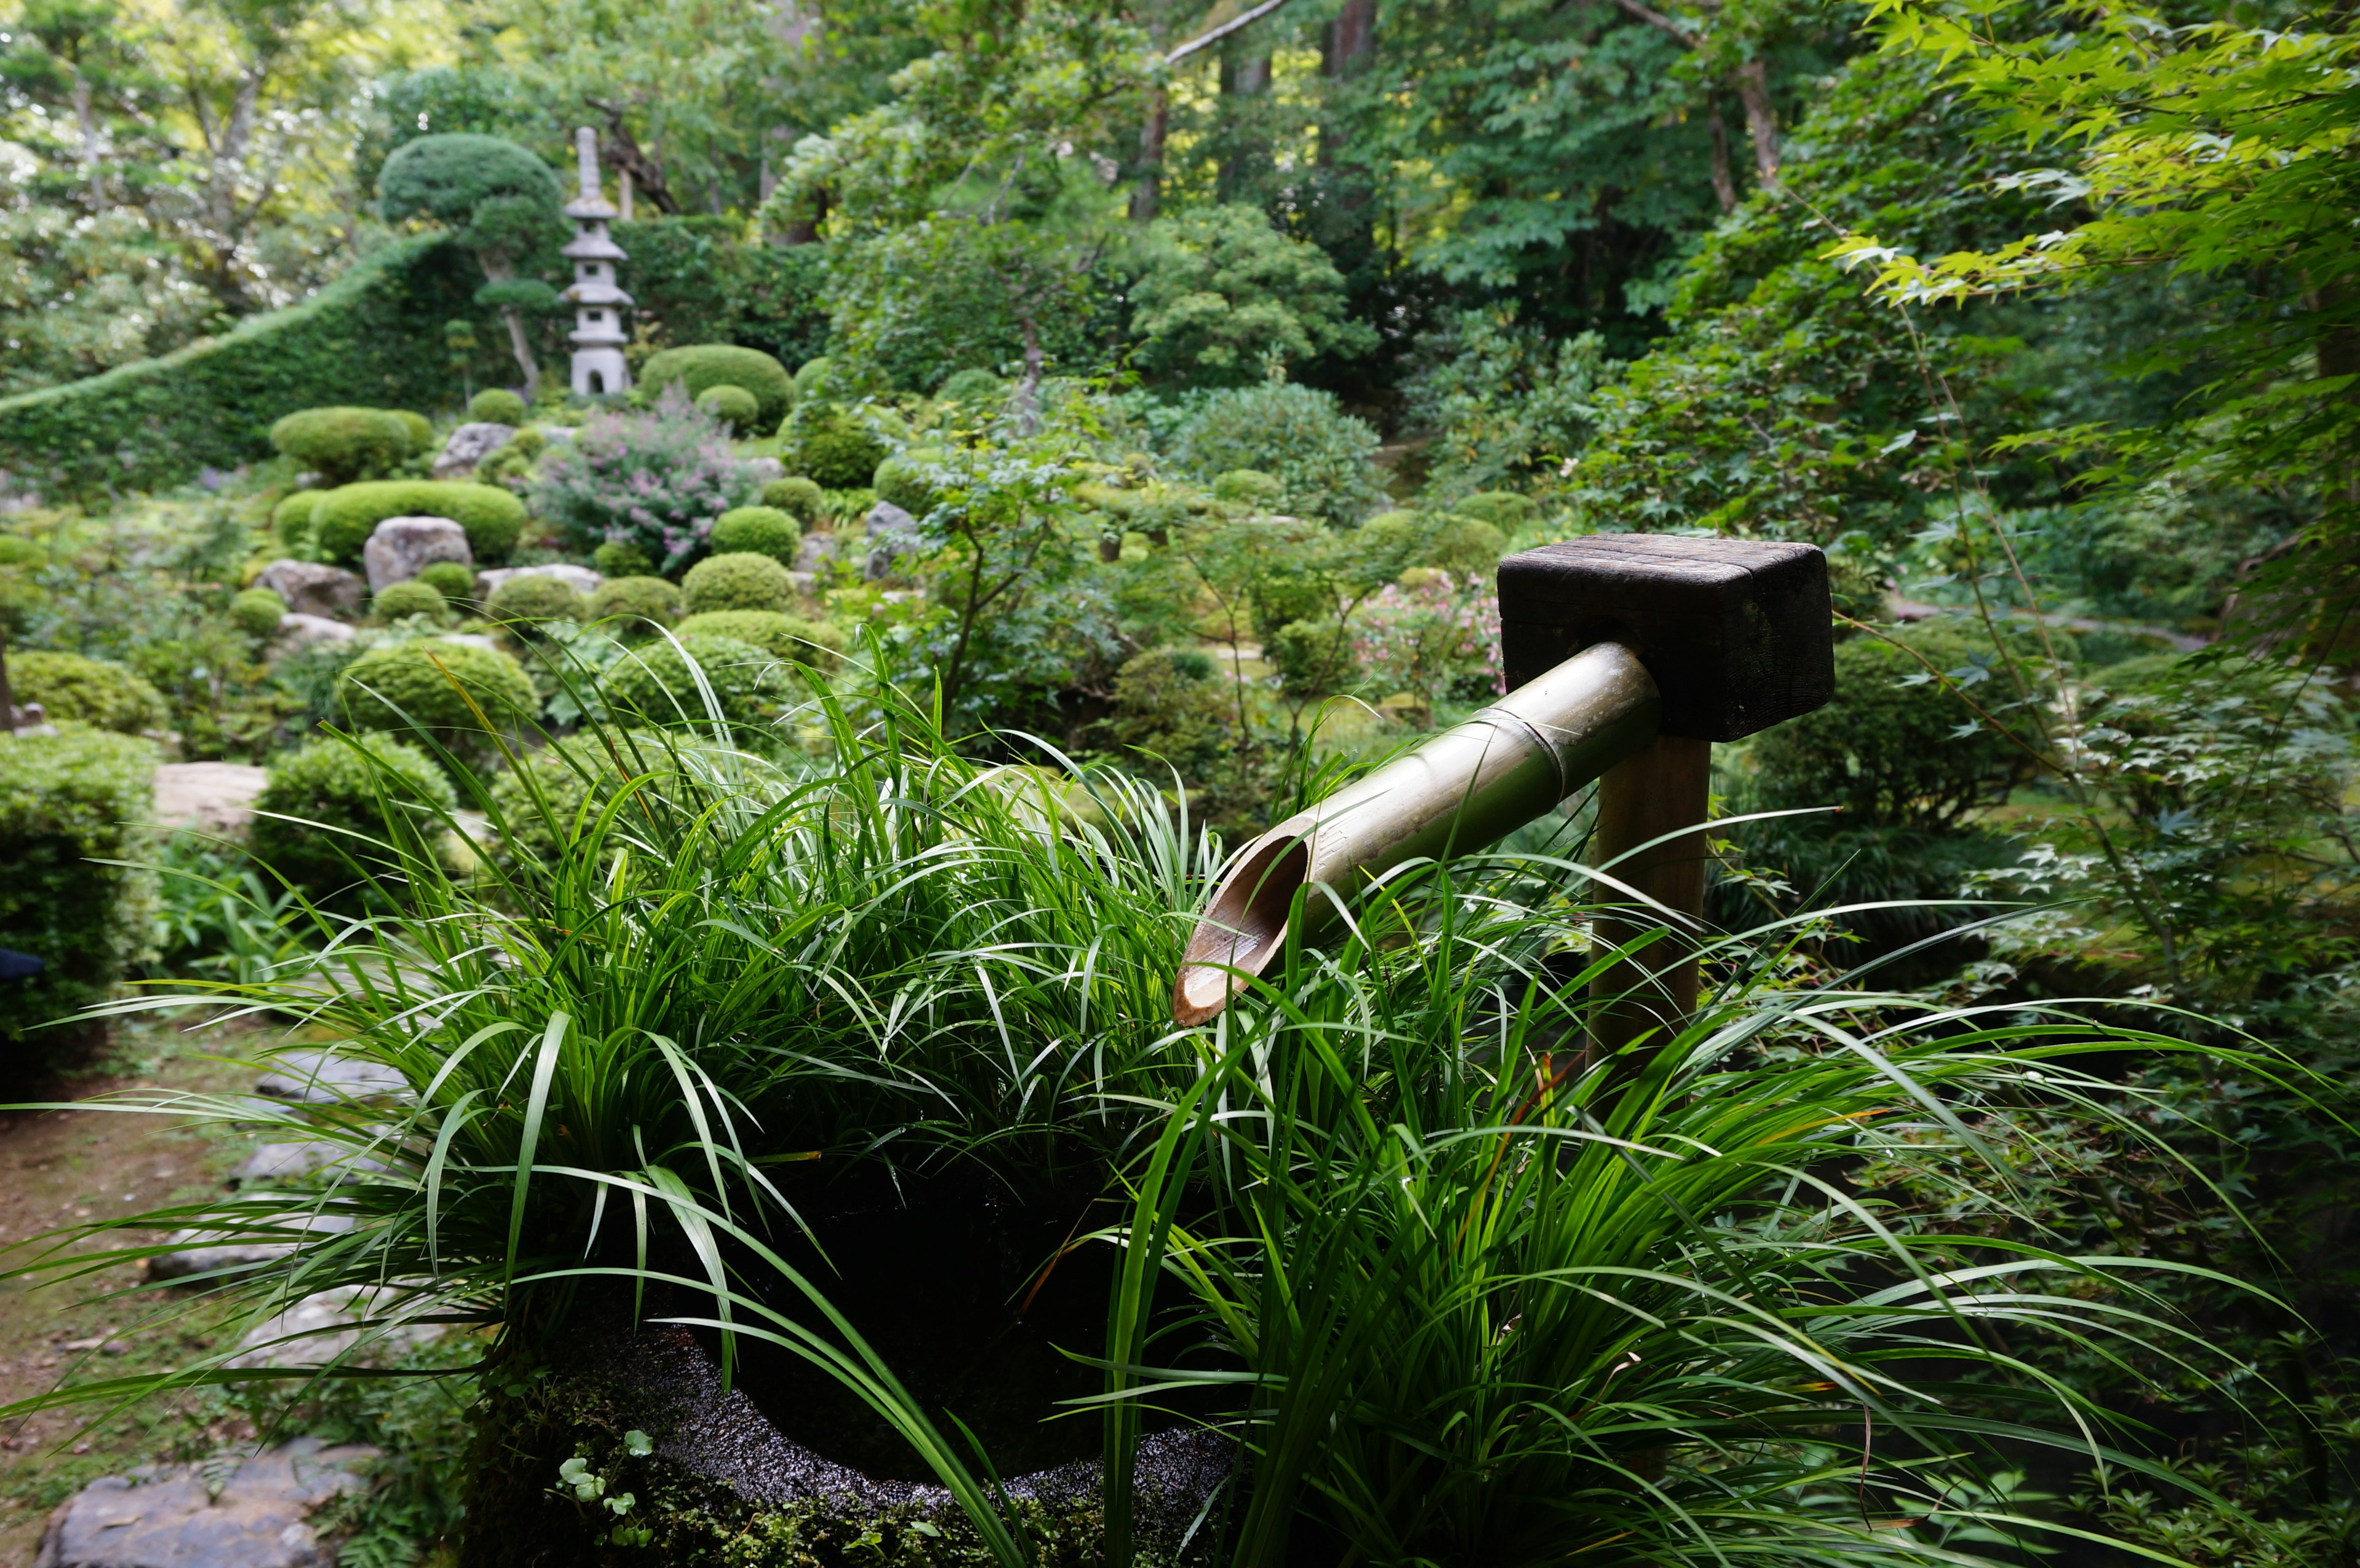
(598, 303)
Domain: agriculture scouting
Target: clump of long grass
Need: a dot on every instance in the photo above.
(1460, 1291)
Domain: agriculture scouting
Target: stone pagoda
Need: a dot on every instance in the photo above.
(598, 303)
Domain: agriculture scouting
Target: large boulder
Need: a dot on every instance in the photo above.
(469, 445)
(310, 588)
(323, 1078)
(217, 1254)
(297, 632)
(191, 1516)
(583, 580)
(892, 533)
(399, 549)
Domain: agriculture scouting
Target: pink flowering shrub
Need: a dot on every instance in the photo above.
(1427, 638)
(655, 479)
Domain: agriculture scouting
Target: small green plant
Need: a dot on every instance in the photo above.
(799, 497)
(739, 581)
(836, 450)
(1249, 488)
(702, 366)
(619, 558)
(343, 519)
(461, 697)
(756, 530)
(529, 600)
(345, 810)
(733, 406)
(343, 445)
(902, 480)
(453, 579)
(637, 605)
(497, 406)
(290, 519)
(78, 690)
(257, 612)
(817, 643)
(1323, 458)
(973, 388)
(698, 682)
(403, 601)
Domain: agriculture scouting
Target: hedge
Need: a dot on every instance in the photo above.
(386, 795)
(156, 422)
(68, 801)
(72, 690)
(343, 519)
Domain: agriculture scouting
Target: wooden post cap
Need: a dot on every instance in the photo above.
(1737, 633)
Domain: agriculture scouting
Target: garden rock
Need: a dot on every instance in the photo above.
(815, 551)
(580, 578)
(323, 1078)
(469, 445)
(168, 1516)
(399, 549)
(892, 532)
(295, 1158)
(195, 1252)
(327, 1322)
(210, 797)
(766, 469)
(471, 640)
(299, 631)
(310, 588)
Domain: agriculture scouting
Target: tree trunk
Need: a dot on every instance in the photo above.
(7, 697)
(1147, 196)
(1242, 79)
(1351, 38)
(86, 122)
(498, 269)
(1752, 80)
(1724, 183)
(1026, 404)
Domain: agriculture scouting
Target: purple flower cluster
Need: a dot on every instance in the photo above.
(1417, 638)
(655, 479)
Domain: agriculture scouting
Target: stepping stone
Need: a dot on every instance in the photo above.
(327, 1320)
(323, 1078)
(310, 588)
(210, 796)
(195, 1252)
(164, 1517)
(296, 1158)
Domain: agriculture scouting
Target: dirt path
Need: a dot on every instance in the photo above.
(61, 1167)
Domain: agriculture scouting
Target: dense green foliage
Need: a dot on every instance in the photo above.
(703, 681)
(704, 366)
(345, 809)
(77, 690)
(797, 495)
(453, 579)
(400, 601)
(345, 444)
(497, 406)
(639, 604)
(745, 581)
(461, 697)
(68, 802)
(1319, 455)
(257, 612)
(781, 635)
(759, 531)
(343, 519)
(524, 602)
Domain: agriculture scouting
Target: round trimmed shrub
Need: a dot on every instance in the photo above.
(436, 685)
(1392, 542)
(453, 579)
(975, 387)
(620, 558)
(344, 444)
(839, 453)
(1248, 487)
(530, 601)
(386, 791)
(345, 517)
(291, 519)
(756, 530)
(18, 550)
(1324, 459)
(1504, 509)
(400, 601)
(902, 480)
(704, 366)
(94, 691)
(420, 428)
(790, 638)
(795, 496)
(733, 406)
(497, 406)
(740, 582)
(639, 604)
(813, 379)
(543, 803)
(654, 684)
(257, 612)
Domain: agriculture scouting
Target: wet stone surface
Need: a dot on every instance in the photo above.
(173, 1517)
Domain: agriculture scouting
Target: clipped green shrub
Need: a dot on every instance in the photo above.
(1312, 657)
(530, 601)
(1324, 459)
(740, 582)
(453, 579)
(540, 805)
(1504, 509)
(1284, 598)
(797, 496)
(420, 428)
(655, 684)
(345, 444)
(704, 365)
(257, 612)
(1393, 542)
(756, 530)
(902, 480)
(345, 517)
(621, 558)
(357, 801)
(400, 601)
(1887, 748)
(439, 687)
(815, 378)
(639, 604)
(291, 519)
(78, 690)
(69, 803)
(497, 406)
(819, 644)
(154, 423)
(837, 452)
(733, 406)
(1248, 487)
(975, 388)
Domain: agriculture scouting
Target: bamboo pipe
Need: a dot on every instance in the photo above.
(1468, 788)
